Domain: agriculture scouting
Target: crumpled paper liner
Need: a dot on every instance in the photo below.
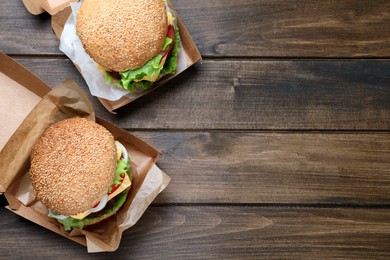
(68, 100)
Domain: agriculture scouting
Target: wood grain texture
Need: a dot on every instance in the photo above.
(24, 33)
(278, 144)
(276, 28)
(223, 167)
(221, 233)
(273, 168)
(242, 95)
(269, 28)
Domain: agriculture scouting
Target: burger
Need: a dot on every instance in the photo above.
(135, 43)
(79, 172)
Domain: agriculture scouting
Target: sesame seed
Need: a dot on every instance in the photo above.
(122, 34)
(72, 165)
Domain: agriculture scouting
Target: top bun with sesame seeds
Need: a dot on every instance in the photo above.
(122, 35)
(73, 164)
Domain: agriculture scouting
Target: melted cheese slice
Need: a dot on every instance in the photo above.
(125, 184)
(171, 20)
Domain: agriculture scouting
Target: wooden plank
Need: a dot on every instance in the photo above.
(241, 95)
(297, 168)
(179, 232)
(24, 33)
(275, 28)
(274, 168)
(267, 28)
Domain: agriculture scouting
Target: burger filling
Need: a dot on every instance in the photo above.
(164, 63)
(110, 203)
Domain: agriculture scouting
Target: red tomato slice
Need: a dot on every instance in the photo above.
(171, 32)
(115, 187)
(171, 35)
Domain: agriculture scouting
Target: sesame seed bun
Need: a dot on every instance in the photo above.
(122, 34)
(72, 165)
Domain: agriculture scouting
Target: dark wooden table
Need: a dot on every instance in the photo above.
(278, 143)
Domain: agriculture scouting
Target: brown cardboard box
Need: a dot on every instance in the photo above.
(50, 6)
(190, 51)
(34, 107)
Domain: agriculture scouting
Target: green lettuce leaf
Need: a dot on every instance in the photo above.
(109, 78)
(121, 167)
(71, 223)
(171, 63)
(150, 69)
(166, 43)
